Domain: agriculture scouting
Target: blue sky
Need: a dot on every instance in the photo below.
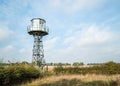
(79, 30)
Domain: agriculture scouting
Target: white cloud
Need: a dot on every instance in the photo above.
(22, 51)
(25, 54)
(88, 44)
(5, 32)
(50, 43)
(69, 40)
(8, 52)
(91, 34)
(8, 49)
(95, 34)
(14, 54)
(76, 5)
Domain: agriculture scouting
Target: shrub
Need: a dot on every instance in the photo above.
(107, 68)
(17, 73)
(49, 73)
(78, 64)
(58, 69)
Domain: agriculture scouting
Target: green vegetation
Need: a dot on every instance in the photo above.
(107, 68)
(17, 73)
(78, 64)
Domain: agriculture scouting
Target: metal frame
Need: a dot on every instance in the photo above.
(38, 51)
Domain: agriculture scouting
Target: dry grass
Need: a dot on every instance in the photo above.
(50, 68)
(84, 78)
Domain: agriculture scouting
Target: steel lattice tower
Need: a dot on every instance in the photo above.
(38, 29)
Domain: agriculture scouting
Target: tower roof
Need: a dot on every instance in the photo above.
(38, 19)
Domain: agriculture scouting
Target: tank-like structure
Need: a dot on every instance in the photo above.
(38, 29)
(38, 25)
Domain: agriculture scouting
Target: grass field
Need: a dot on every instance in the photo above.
(77, 80)
(21, 74)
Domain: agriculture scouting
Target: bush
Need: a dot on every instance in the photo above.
(78, 64)
(107, 68)
(17, 73)
(49, 73)
(58, 69)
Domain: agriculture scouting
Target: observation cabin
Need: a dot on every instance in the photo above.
(38, 27)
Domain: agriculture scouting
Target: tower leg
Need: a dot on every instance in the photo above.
(38, 52)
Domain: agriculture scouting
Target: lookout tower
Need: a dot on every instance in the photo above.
(38, 29)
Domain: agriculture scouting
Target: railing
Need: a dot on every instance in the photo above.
(33, 28)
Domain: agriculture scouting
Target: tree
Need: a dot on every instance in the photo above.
(78, 63)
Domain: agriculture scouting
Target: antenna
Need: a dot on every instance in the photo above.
(38, 29)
